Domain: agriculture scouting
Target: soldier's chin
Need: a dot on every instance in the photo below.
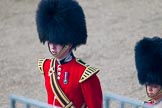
(150, 94)
(55, 55)
(58, 56)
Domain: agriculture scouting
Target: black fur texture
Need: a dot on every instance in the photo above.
(61, 22)
(148, 58)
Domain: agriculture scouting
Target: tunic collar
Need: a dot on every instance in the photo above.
(68, 58)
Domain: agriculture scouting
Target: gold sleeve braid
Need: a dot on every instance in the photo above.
(89, 71)
(40, 65)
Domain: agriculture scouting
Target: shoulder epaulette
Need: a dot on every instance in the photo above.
(40, 64)
(89, 71)
(82, 62)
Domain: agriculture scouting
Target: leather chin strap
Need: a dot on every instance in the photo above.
(63, 51)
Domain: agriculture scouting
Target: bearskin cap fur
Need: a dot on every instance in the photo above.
(148, 58)
(61, 22)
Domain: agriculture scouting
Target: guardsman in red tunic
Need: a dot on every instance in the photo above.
(148, 57)
(69, 82)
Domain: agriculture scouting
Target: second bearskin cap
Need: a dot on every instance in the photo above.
(148, 58)
(61, 22)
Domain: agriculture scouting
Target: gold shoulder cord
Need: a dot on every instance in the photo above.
(60, 95)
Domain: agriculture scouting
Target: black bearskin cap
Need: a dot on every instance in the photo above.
(61, 22)
(148, 58)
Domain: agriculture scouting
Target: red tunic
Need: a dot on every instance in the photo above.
(88, 91)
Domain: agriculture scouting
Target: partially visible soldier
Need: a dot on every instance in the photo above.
(69, 82)
(148, 57)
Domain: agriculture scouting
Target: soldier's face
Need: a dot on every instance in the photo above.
(152, 89)
(54, 48)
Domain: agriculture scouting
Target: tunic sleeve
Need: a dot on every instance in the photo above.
(92, 92)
